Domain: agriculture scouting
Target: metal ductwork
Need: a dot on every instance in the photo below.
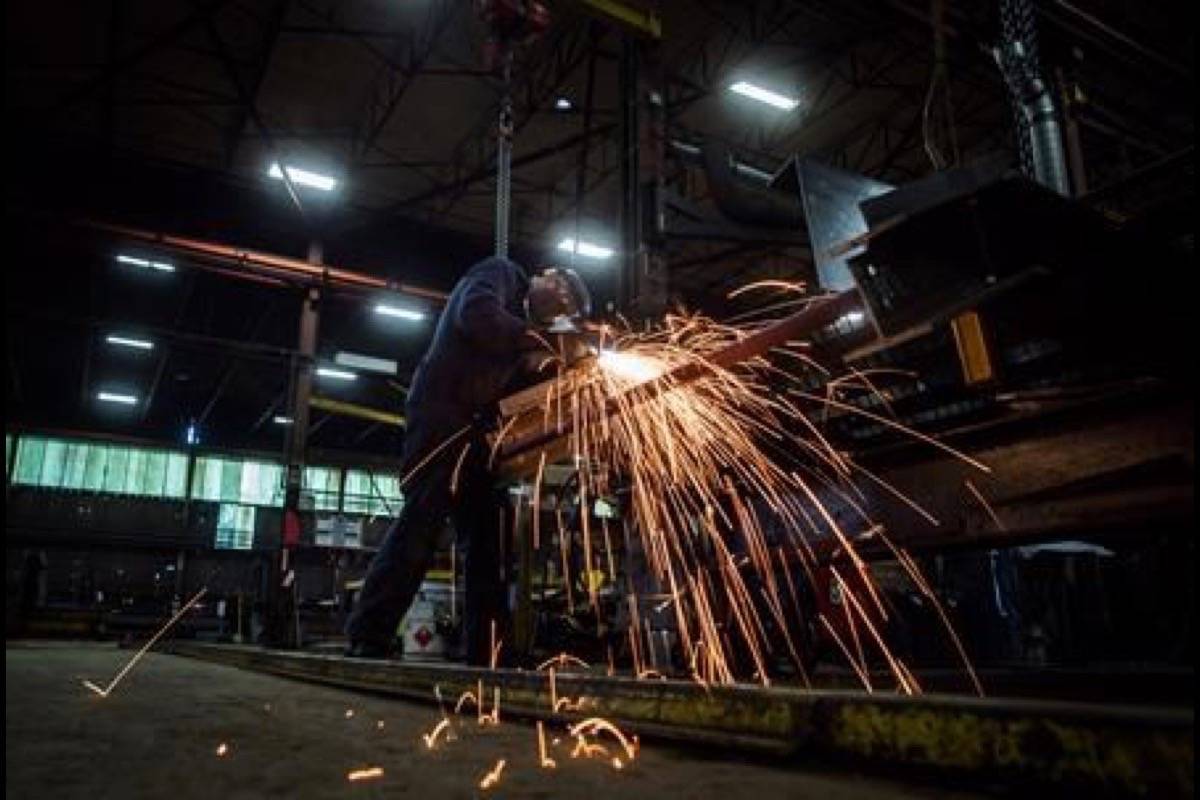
(746, 202)
(1039, 133)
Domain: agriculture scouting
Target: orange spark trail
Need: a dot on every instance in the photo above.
(431, 737)
(464, 697)
(493, 776)
(593, 724)
(561, 659)
(370, 773)
(544, 761)
(105, 692)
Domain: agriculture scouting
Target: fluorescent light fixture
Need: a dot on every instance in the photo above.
(304, 178)
(764, 95)
(337, 374)
(402, 313)
(144, 263)
(851, 318)
(368, 363)
(127, 341)
(563, 104)
(585, 249)
(282, 420)
(117, 397)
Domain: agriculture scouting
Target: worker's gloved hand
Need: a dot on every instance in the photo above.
(573, 347)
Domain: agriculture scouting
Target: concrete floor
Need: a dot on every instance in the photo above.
(157, 735)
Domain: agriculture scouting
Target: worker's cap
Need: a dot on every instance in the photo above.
(558, 300)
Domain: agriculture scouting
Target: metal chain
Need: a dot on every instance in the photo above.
(504, 134)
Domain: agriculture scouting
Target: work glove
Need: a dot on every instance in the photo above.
(573, 348)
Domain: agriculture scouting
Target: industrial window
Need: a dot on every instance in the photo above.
(97, 467)
(7, 452)
(372, 492)
(236, 480)
(235, 527)
(324, 484)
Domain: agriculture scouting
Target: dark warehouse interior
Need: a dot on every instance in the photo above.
(640, 398)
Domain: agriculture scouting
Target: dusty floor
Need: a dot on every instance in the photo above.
(158, 733)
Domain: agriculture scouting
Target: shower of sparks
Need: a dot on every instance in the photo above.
(729, 481)
(493, 776)
(105, 692)
(370, 773)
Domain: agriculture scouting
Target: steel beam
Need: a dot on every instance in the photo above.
(202, 14)
(274, 25)
(249, 101)
(1070, 748)
(388, 89)
(345, 409)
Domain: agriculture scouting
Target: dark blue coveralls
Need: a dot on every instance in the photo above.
(475, 354)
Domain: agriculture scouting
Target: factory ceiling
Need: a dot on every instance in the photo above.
(167, 115)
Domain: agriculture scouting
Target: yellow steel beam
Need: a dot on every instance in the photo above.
(973, 352)
(353, 410)
(639, 20)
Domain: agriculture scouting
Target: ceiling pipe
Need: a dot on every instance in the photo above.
(257, 265)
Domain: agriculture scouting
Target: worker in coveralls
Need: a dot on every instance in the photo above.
(494, 318)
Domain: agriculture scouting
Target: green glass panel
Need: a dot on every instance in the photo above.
(74, 465)
(28, 468)
(95, 464)
(175, 480)
(114, 476)
(52, 463)
(231, 481)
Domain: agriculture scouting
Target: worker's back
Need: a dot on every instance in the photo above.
(473, 355)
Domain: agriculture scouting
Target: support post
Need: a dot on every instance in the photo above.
(523, 616)
(284, 630)
(630, 207)
(642, 286)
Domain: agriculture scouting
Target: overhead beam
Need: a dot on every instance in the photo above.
(486, 172)
(345, 409)
(232, 366)
(641, 21)
(390, 86)
(200, 16)
(255, 263)
(250, 107)
(161, 368)
(274, 25)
